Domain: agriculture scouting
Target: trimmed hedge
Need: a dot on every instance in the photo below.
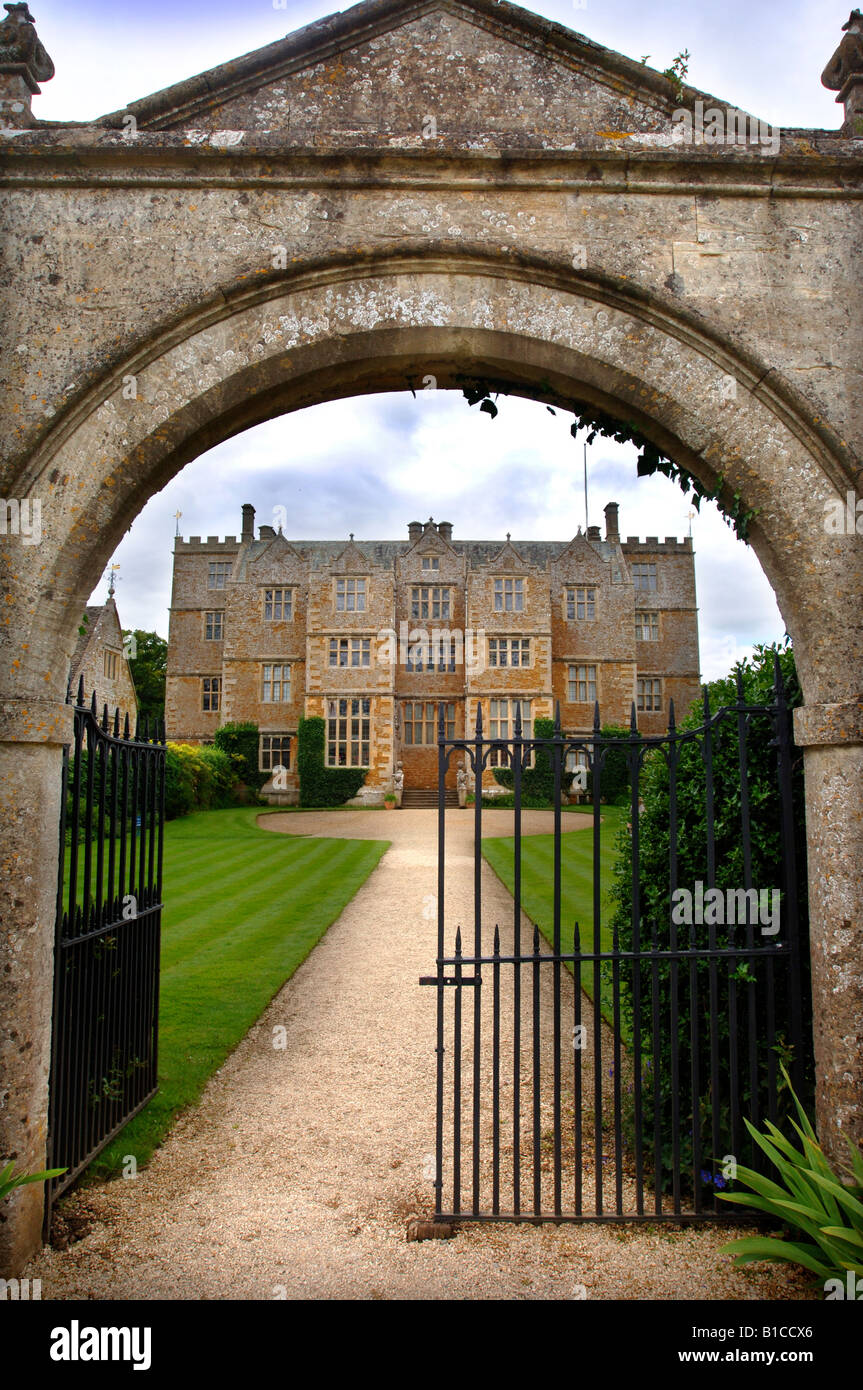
(537, 782)
(614, 786)
(240, 741)
(321, 785)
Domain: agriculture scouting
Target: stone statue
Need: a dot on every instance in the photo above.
(847, 61)
(398, 778)
(462, 785)
(20, 45)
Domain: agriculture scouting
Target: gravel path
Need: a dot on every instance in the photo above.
(296, 1174)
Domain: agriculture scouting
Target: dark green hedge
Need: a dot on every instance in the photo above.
(614, 786)
(537, 782)
(321, 785)
(240, 741)
(654, 849)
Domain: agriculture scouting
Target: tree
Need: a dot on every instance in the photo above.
(148, 660)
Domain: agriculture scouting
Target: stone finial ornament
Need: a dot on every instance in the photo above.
(24, 63)
(844, 74)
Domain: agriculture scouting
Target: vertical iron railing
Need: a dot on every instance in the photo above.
(687, 1015)
(107, 937)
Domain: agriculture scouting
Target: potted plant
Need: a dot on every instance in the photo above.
(390, 801)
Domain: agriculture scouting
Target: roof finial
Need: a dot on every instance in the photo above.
(508, 535)
(352, 535)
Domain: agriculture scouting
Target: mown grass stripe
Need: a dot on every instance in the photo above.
(244, 907)
(537, 882)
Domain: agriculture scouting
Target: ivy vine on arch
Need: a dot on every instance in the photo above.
(651, 459)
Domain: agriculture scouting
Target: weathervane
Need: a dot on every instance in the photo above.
(111, 581)
(177, 516)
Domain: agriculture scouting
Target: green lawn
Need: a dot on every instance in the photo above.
(537, 881)
(243, 909)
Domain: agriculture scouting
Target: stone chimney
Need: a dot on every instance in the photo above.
(248, 531)
(844, 74)
(444, 530)
(415, 530)
(23, 65)
(611, 523)
(594, 533)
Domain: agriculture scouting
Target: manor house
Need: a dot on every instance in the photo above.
(373, 635)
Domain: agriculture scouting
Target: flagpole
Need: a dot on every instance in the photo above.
(585, 487)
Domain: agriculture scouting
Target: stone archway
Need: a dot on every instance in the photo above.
(462, 290)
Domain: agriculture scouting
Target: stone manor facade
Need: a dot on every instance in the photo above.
(373, 635)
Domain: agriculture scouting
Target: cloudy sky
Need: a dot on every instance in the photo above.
(372, 465)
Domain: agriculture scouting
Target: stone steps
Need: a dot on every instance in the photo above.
(416, 798)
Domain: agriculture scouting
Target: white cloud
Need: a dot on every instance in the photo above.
(372, 464)
(108, 55)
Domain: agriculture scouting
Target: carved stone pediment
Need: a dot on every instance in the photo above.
(355, 74)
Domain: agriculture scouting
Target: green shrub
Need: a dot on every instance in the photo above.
(179, 782)
(614, 784)
(196, 779)
(656, 908)
(240, 740)
(506, 802)
(537, 782)
(321, 785)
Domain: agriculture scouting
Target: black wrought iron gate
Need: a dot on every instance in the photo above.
(604, 1075)
(107, 938)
